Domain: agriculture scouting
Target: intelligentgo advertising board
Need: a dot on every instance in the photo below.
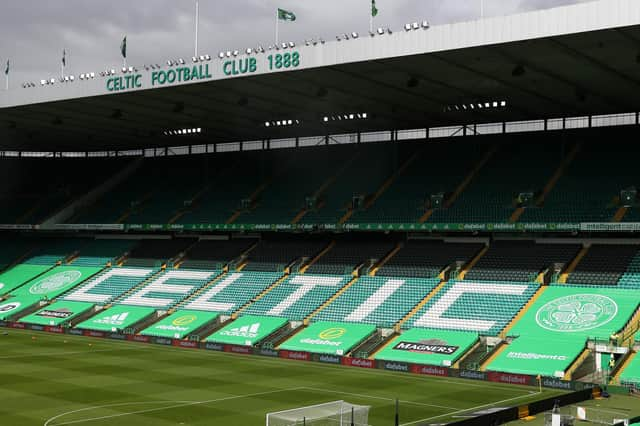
(201, 72)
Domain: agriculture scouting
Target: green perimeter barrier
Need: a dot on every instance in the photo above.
(180, 324)
(429, 347)
(247, 330)
(14, 305)
(18, 275)
(564, 312)
(58, 313)
(56, 281)
(336, 338)
(116, 318)
(532, 356)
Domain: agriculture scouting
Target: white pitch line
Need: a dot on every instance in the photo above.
(119, 404)
(381, 398)
(469, 409)
(150, 410)
(58, 353)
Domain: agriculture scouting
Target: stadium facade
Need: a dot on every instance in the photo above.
(439, 200)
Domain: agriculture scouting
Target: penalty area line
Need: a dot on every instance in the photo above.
(360, 395)
(151, 410)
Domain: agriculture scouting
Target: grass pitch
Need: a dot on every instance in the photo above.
(53, 380)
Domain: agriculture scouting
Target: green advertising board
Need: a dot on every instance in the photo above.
(562, 312)
(534, 356)
(428, 347)
(117, 318)
(18, 275)
(247, 330)
(58, 313)
(56, 281)
(179, 324)
(14, 305)
(335, 338)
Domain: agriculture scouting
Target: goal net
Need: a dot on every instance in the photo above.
(337, 413)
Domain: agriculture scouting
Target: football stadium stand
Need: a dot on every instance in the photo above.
(500, 241)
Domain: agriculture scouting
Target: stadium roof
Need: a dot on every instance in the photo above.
(568, 61)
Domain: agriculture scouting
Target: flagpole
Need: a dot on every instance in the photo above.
(197, 19)
(277, 19)
(371, 22)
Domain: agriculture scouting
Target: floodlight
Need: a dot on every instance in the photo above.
(124, 70)
(351, 116)
(487, 105)
(43, 82)
(364, 115)
(248, 51)
(71, 78)
(207, 57)
(81, 76)
(354, 34)
(495, 104)
(380, 31)
(267, 124)
(503, 103)
(169, 62)
(236, 53)
(202, 57)
(290, 122)
(199, 129)
(228, 53)
(292, 44)
(425, 24)
(326, 119)
(407, 27)
(372, 34)
(415, 25)
(284, 45)
(389, 31)
(322, 41)
(346, 36)
(181, 61)
(194, 58)
(113, 72)
(307, 43)
(221, 55)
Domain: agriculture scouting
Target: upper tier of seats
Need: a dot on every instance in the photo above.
(317, 185)
(520, 260)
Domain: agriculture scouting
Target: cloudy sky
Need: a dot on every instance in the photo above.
(33, 33)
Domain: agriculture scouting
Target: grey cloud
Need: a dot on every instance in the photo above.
(34, 32)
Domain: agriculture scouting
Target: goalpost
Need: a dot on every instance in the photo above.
(337, 413)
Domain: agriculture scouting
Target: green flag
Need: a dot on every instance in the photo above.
(374, 9)
(6, 70)
(285, 15)
(123, 47)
